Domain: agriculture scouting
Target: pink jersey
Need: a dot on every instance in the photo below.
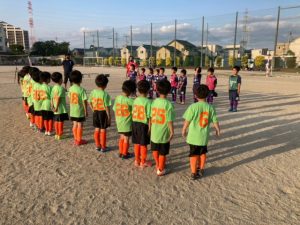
(211, 82)
(142, 76)
(174, 80)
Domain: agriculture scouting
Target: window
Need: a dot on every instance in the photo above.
(141, 52)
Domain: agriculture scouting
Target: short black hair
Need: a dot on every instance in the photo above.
(183, 71)
(163, 87)
(76, 77)
(56, 77)
(237, 68)
(101, 81)
(26, 69)
(157, 70)
(151, 70)
(35, 74)
(143, 86)
(133, 66)
(198, 69)
(21, 73)
(211, 69)
(129, 87)
(202, 91)
(143, 69)
(44, 76)
(174, 68)
(161, 68)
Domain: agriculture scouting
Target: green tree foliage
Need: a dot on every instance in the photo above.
(187, 61)
(159, 62)
(152, 61)
(17, 49)
(245, 61)
(290, 62)
(219, 61)
(169, 62)
(197, 61)
(123, 62)
(144, 62)
(49, 48)
(207, 61)
(290, 52)
(231, 61)
(259, 61)
(178, 61)
(105, 62)
(110, 61)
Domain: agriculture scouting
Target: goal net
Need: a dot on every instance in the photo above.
(93, 61)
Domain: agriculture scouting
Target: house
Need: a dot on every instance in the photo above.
(144, 51)
(125, 52)
(259, 52)
(281, 49)
(78, 52)
(213, 49)
(185, 47)
(229, 52)
(167, 52)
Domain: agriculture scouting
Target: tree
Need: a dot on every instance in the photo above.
(219, 61)
(245, 61)
(105, 62)
(17, 49)
(207, 61)
(197, 61)
(159, 62)
(290, 52)
(290, 62)
(123, 62)
(178, 61)
(259, 62)
(110, 61)
(187, 61)
(144, 62)
(152, 61)
(169, 61)
(48, 48)
(231, 61)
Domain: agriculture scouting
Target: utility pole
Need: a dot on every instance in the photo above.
(131, 40)
(202, 40)
(175, 37)
(235, 33)
(113, 63)
(151, 43)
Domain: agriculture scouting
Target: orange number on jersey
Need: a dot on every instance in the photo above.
(203, 122)
(158, 116)
(138, 112)
(42, 95)
(122, 110)
(98, 104)
(74, 98)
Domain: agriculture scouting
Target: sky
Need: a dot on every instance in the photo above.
(65, 20)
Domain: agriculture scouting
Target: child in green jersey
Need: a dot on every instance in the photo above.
(122, 108)
(24, 81)
(45, 96)
(100, 103)
(59, 106)
(34, 74)
(78, 107)
(141, 115)
(198, 117)
(162, 130)
(234, 88)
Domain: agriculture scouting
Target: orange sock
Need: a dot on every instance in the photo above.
(103, 139)
(41, 122)
(121, 143)
(137, 153)
(162, 162)
(97, 138)
(56, 128)
(156, 158)
(79, 133)
(46, 125)
(32, 118)
(60, 128)
(143, 154)
(50, 125)
(125, 148)
(193, 163)
(202, 161)
(75, 133)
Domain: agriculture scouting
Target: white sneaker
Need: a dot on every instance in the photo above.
(160, 173)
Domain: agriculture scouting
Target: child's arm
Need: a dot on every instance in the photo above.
(108, 114)
(85, 108)
(217, 127)
(239, 88)
(91, 106)
(184, 128)
(171, 128)
(57, 104)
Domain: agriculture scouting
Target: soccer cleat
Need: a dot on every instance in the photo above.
(136, 163)
(146, 164)
(230, 110)
(234, 110)
(128, 156)
(56, 137)
(200, 172)
(195, 176)
(103, 150)
(82, 142)
(98, 149)
(160, 173)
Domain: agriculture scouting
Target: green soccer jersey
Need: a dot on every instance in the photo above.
(200, 115)
(30, 92)
(122, 108)
(25, 84)
(59, 93)
(99, 99)
(141, 110)
(45, 95)
(234, 80)
(36, 96)
(162, 112)
(77, 97)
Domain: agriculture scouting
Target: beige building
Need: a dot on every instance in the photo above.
(258, 52)
(295, 47)
(15, 35)
(186, 48)
(144, 51)
(281, 49)
(166, 52)
(2, 40)
(126, 52)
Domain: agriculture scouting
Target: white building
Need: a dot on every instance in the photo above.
(15, 35)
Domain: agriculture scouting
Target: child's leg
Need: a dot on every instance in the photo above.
(125, 145)
(161, 162)
(79, 131)
(56, 127)
(143, 154)
(137, 154)
(202, 161)
(103, 139)
(32, 119)
(156, 158)
(193, 163)
(50, 125)
(75, 130)
(97, 137)
(234, 104)
(183, 97)
(60, 126)
(121, 143)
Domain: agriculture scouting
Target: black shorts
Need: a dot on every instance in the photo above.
(25, 100)
(67, 77)
(38, 113)
(233, 95)
(77, 119)
(100, 119)
(140, 133)
(127, 134)
(31, 110)
(197, 150)
(47, 115)
(182, 90)
(173, 90)
(163, 149)
(61, 117)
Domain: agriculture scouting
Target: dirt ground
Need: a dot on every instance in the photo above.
(252, 172)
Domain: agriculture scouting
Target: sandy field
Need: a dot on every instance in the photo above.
(252, 172)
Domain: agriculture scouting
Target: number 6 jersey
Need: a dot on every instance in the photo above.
(200, 115)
